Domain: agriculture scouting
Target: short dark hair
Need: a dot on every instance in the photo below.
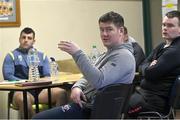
(113, 17)
(28, 30)
(173, 14)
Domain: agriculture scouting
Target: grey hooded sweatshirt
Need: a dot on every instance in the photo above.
(117, 65)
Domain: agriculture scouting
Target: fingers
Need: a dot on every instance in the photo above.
(77, 100)
(80, 104)
(75, 95)
(153, 63)
(68, 47)
(78, 96)
(83, 97)
(64, 45)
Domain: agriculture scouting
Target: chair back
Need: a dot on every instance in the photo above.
(175, 93)
(111, 101)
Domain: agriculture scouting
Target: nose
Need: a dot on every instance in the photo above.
(104, 33)
(26, 38)
(164, 28)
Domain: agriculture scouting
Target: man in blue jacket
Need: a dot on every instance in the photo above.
(16, 67)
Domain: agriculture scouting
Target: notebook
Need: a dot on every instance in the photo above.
(36, 83)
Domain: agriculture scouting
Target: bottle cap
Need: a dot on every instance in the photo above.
(52, 59)
(94, 46)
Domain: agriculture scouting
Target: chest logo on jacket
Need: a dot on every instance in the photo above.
(20, 58)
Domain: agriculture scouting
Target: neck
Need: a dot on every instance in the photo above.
(23, 50)
(168, 43)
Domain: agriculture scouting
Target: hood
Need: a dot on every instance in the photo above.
(131, 39)
(127, 46)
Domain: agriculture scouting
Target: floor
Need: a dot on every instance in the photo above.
(177, 114)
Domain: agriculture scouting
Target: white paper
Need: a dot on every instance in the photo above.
(11, 82)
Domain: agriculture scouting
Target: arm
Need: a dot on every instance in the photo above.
(82, 83)
(77, 94)
(9, 69)
(165, 64)
(117, 69)
(146, 63)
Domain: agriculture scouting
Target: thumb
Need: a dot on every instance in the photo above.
(83, 97)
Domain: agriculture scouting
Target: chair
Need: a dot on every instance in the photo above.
(111, 101)
(173, 100)
(68, 65)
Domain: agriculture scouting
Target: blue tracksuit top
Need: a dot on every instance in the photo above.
(15, 65)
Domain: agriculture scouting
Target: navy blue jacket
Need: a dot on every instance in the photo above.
(15, 65)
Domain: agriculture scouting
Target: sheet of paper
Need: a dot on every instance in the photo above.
(5, 82)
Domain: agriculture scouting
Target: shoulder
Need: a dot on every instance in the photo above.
(176, 42)
(12, 54)
(124, 53)
(159, 46)
(40, 52)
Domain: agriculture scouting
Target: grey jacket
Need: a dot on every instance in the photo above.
(117, 65)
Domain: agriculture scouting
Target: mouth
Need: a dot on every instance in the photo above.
(105, 39)
(25, 46)
(164, 33)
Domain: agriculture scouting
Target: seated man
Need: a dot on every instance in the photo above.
(117, 65)
(160, 70)
(15, 67)
(138, 51)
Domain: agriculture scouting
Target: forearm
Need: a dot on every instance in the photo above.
(164, 66)
(11, 77)
(9, 69)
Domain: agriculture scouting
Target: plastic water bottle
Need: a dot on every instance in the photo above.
(94, 55)
(54, 67)
(33, 61)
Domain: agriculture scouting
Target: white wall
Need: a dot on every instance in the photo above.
(75, 20)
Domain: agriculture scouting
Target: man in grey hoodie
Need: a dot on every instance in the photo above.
(117, 65)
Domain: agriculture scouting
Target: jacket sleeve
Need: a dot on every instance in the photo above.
(82, 83)
(145, 64)
(166, 63)
(119, 65)
(9, 69)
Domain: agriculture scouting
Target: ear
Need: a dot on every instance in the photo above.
(121, 30)
(34, 41)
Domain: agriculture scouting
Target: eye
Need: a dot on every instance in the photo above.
(109, 29)
(167, 25)
(23, 37)
(30, 38)
(101, 30)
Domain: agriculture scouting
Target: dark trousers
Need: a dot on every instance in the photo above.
(142, 101)
(69, 111)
